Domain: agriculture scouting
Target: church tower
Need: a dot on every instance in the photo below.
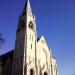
(24, 60)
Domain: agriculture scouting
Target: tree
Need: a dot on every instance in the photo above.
(2, 40)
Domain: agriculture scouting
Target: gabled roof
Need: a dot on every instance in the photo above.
(42, 39)
(5, 56)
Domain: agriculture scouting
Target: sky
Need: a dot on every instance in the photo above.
(55, 19)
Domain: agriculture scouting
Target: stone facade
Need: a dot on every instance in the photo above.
(32, 55)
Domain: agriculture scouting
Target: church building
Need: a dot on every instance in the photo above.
(31, 55)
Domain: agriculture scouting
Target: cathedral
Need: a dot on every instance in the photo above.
(31, 55)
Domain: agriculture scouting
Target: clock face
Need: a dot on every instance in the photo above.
(31, 25)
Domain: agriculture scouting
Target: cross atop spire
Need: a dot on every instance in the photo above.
(27, 8)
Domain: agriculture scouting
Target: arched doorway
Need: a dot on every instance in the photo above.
(45, 73)
(31, 72)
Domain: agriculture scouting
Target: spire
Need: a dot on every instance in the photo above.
(27, 8)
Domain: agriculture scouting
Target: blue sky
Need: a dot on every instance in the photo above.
(55, 20)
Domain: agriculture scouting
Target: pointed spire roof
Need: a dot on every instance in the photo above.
(27, 8)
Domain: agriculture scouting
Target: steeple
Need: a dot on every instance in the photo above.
(27, 9)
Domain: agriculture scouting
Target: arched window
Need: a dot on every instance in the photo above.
(45, 73)
(31, 72)
(31, 25)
